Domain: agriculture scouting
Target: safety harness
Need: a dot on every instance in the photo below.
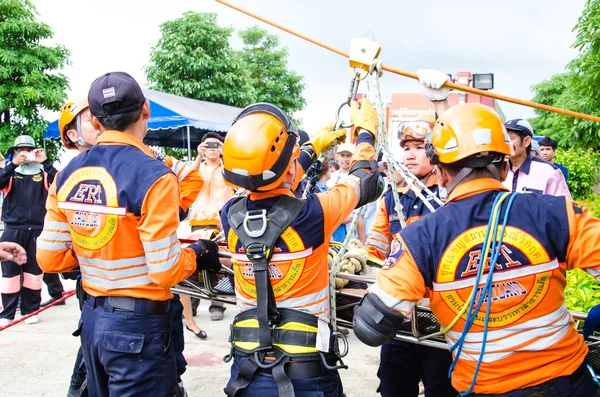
(270, 337)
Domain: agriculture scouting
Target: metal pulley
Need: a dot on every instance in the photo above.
(363, 61)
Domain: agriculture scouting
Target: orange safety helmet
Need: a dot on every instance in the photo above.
(259, 148)
(471, 132)
(417, 129)
(68, 112)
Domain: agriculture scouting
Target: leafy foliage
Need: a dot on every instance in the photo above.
(548, 92)
(29, 77)
(193, 58)
(269, 72)
(583, 170)
(592, 203)
(582, 292)
(576, 89)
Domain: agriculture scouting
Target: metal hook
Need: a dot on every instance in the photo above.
(351, 95)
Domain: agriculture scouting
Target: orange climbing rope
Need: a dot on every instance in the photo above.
(414, 75)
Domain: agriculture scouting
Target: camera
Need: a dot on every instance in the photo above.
(212, 145)
(30, 156)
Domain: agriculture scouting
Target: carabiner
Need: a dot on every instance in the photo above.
(351, 95)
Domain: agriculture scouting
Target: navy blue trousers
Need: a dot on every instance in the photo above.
(127, 354)
(176, 315)
(404, 364)
(328, 384)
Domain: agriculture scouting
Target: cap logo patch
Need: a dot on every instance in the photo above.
(108, 92)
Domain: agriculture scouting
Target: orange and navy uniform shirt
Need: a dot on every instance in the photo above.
(214, 194)
(531, 338)
(113, 211)
(387, 224)
(190, 181)
(298, 269)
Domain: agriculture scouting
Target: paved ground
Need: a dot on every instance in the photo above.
(37, 360)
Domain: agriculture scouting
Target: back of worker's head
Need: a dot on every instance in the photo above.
(117, 103)
(260, 149)
(469, 141)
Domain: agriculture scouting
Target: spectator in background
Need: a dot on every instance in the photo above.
(548, 152)
(204, 214)
(25, 181)
(340, 233)
(527, 173)
(344, 152)
(535, 148)
(323, 178)
(333, 166)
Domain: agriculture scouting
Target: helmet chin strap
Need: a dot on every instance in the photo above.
(80, 140)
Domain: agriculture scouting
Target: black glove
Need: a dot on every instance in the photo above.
(71, 275)
(207, 255)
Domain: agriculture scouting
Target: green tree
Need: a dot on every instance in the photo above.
(269, 72)
(29, 78)
(193, 58)
(547, 93)
(583, 171)
(577, 89)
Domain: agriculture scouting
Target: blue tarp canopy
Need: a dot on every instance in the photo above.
(172, 117)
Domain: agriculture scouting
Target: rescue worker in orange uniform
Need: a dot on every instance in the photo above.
(412, 136)
(402, 364)
(519, 338)
(77, 132)
(113, 212)
(279, 246)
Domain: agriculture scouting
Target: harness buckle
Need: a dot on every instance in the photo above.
(253, 216)
(261, 364)
(256, 251)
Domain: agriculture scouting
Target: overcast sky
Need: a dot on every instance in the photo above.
(521, 41)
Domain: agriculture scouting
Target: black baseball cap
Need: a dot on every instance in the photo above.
(115, 93)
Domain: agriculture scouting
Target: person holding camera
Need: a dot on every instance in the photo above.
(24, 182)
(204, 214)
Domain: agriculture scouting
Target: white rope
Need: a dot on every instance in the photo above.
(383, 145)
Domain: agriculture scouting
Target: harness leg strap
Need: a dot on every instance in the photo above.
(243, 379)
(284, 384)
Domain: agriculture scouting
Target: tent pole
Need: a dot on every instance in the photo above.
(189, 144)
(44, 144)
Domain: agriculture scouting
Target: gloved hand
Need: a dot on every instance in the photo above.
(431, 84)
(327, 137)
(592, 322)
(73, 275)
(364, 117)
(207, 255)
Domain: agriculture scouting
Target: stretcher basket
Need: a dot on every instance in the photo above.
(423, 329)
